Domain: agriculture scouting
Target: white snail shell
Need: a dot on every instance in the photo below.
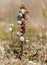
(22, 38)
(19, 22)
(22, 11)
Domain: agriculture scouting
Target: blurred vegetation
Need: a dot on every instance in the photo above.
(33, 50)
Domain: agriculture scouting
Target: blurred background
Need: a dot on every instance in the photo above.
(36, 30)
(37, 11)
